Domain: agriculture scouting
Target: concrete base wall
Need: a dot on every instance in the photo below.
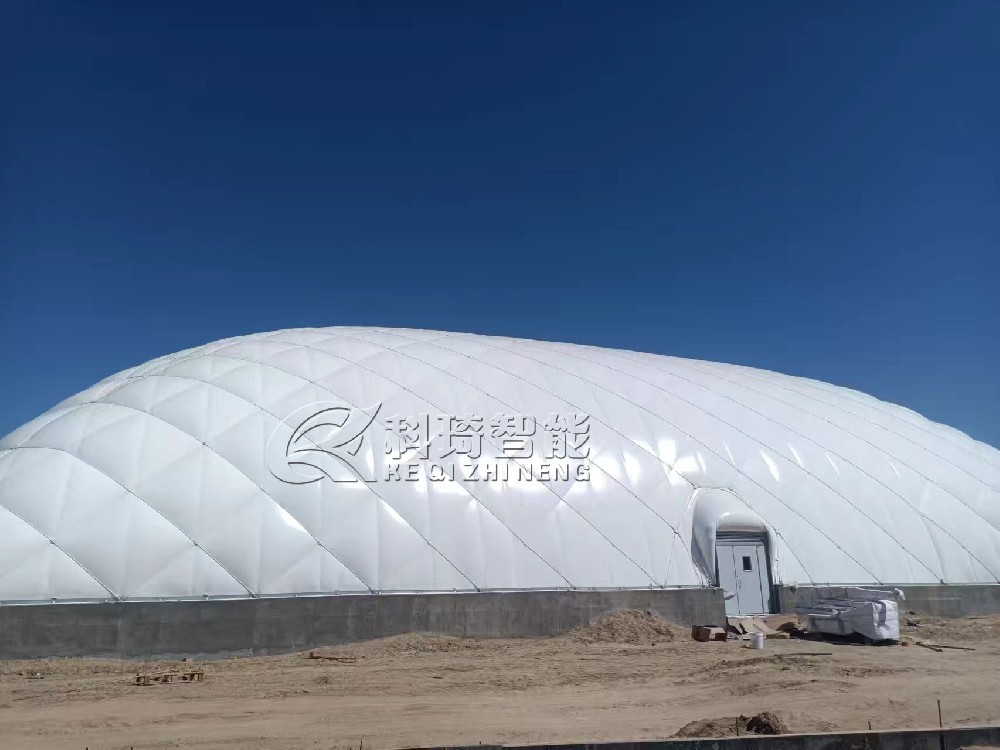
(267, 626)
(951, 600)
(962, 738)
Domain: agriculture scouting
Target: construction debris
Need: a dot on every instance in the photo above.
(782, 623)
(706, 633)
(331, 657)
(160, 678)
(743, 626)
(940, 646)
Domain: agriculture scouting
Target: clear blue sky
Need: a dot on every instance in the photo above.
(807, 187)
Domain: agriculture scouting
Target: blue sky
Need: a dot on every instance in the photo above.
(812, 188)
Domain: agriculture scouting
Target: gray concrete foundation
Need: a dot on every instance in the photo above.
(956, 738)
(941, 600)
(274, 625)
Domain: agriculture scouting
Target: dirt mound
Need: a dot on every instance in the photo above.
(933, 629)
(766, 723)
(628, 626)
(726, 726)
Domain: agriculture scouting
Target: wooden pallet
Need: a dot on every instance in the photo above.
(161, 678)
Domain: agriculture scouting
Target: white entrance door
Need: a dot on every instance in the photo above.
(743, 576)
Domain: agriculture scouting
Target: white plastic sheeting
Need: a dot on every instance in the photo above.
(844, 611)
(154, 482)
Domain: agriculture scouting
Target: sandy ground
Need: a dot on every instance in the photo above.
(631, 679)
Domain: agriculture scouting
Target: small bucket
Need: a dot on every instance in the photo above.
(757, 641)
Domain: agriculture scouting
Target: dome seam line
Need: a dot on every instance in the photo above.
(214, 353)
(464, 489)
(747, 372)
(723, 458)
(898, 543)
(759, 442)
(408, 390)
(141, 500)
(236, 468)
(843, 458)
(282, 421)
(652, 510)
(84, 568)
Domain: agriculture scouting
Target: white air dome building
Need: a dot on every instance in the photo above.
(199, 475)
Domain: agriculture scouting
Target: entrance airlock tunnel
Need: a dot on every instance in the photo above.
(732, 546)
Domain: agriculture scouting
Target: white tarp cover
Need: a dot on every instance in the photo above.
(844, 611)
(154, 482)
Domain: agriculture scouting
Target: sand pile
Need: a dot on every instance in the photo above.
(628, 626)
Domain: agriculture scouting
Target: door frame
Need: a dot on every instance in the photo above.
(733, 538)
